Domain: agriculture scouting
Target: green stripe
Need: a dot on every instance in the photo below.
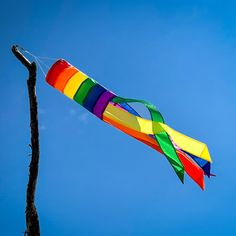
(83, 90)
(162, 138)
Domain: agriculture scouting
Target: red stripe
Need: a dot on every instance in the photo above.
(55, 70)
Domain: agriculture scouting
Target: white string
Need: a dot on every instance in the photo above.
(33, 55)
(41, 68)
(49, 58)
(39, 61)
(43, 63)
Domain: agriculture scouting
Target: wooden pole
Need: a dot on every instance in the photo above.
(32, 221)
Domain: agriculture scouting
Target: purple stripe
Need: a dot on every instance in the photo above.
(102, 103)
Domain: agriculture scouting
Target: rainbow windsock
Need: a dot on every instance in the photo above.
(183, 153)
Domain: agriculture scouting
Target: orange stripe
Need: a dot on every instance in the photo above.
(132, 132)
(64, 77)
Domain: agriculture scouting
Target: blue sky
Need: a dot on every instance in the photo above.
(93, 179)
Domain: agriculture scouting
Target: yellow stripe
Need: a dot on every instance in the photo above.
(131, 121)
(186, 143)
(74, 83)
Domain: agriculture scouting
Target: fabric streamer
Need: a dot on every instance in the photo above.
(183, 153)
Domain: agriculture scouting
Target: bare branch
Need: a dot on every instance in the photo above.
(32, 221)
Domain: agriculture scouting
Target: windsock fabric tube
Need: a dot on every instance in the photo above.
(183, 153)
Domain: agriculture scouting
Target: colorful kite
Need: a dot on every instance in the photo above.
(183, 153)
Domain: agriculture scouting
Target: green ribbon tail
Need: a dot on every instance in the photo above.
(162, 138)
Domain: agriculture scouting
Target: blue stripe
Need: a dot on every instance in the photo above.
(93, 96)
(130, 109)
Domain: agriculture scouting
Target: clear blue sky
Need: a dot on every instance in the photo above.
(93, 179)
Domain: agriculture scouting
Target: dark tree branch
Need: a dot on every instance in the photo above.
(32, 221)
